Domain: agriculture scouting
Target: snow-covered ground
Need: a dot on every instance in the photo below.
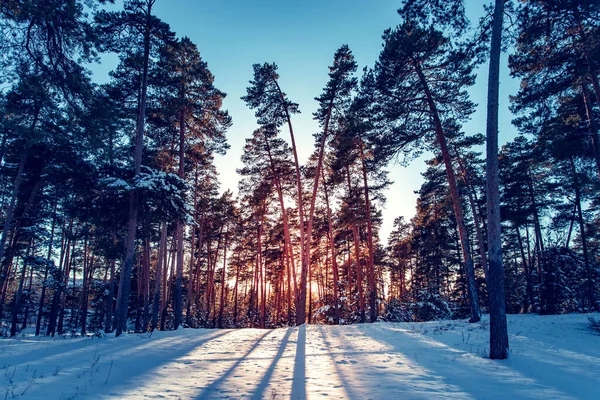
(551, 357)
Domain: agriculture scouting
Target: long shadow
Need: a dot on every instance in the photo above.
(206, 392)
(477, 377)
(48, 350)
(262, 386)
(345, 383)
(111, 365)
(299, 381)
(575, 373)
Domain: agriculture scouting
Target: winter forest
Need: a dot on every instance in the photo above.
(114, 219)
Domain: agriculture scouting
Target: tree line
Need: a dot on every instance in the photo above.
(113, 217)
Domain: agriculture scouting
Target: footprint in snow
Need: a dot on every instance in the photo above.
(347, 362)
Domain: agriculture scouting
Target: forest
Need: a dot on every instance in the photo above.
(113, 218)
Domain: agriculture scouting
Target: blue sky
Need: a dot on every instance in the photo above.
(301, 37)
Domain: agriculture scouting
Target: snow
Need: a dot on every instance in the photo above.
(554, 357)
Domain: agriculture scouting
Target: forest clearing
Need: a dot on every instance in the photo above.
(551, 357)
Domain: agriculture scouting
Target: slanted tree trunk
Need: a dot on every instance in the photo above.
(289, 251)
(301, 293)
(475, 212)
(8, 218)
(458, 210)
(301, 312)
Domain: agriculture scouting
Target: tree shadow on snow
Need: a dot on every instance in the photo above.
(214, 387)
(262, 386)
(461, 372)
(110, 362)
(299, 382)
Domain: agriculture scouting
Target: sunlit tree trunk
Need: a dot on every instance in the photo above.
(334, 266)
(223, 284)
(373, 310)
(301, 293)
(161, 260)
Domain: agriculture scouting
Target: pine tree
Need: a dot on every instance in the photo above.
(273, 107)
(421, 73)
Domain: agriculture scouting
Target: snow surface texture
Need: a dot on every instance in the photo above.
(551, 357)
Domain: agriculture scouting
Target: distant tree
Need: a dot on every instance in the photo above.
(332, 102)
(273, 107)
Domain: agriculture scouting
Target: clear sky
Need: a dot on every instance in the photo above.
(301, 37)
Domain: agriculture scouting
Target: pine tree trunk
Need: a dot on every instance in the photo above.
(8, 218)
(262, 280)
(301, 311)
(84, 283)
(146, 285)
(289, 253)
(192, 275)
(497, 302)
(235, 290)
(584, 243)
(178, 297)
(108, 322)
(373, 311)
(212, 266)
(38, 322)
(359, 278)
(162, 256)
(58, 288)
(475, 212)
(334, 266)
(590, 61)
(301, 293)
(528, 279)
(17, 301)
(458, 210)
(593, 126)
(63, 297)
(125, 280)
(223, 279)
